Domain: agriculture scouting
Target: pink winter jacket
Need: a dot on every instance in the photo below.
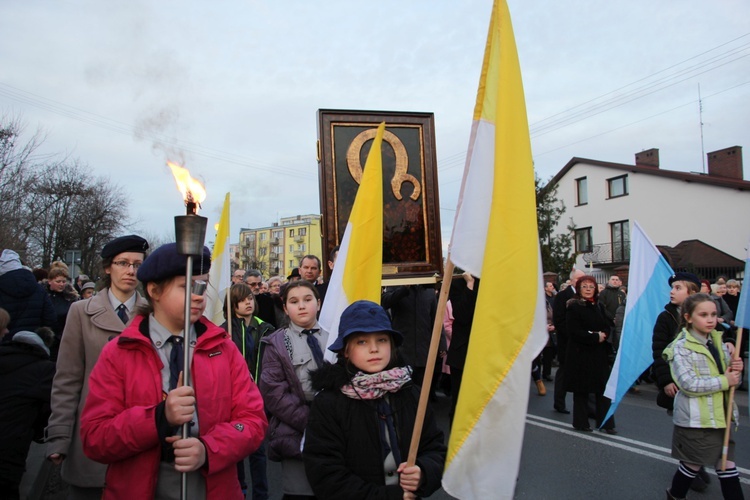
(119, 420)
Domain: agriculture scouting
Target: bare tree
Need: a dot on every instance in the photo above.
(19, 165)
(50, 205)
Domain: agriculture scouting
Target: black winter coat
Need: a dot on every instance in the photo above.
(342, 451)
(26, 301)
(665, 330)
(559, 312)
(587, 360)
(463, 301)
(25, 386)
(413, 311)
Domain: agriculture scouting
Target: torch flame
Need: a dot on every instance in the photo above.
(191, 189)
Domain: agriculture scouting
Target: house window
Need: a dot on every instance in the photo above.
(278, 234)
(618, 186)
(302, 231)
(291, 233)
(291, 248)
(582, 191)
(263, 236)
(620, 240)
(583, 240)
(262, 252)
(301, 247)
(291, 264)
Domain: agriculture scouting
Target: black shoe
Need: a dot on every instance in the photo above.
(562, 410)
(583, 429)
(698, 484)
(611, 432)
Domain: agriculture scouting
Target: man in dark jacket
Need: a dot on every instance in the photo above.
(463, 297)
(559, 310)
(612, 296)
(25, 300)
(25, 384)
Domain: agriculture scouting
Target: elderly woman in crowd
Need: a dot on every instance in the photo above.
(588, 355)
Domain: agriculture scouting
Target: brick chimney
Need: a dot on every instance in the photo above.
(648, 158)
(726, 163)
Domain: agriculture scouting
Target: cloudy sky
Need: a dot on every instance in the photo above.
(233, 87)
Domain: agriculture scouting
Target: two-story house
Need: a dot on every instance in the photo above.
(604, 198)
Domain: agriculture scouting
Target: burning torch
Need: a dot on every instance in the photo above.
(190, 232)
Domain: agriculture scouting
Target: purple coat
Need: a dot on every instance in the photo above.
(284, 399)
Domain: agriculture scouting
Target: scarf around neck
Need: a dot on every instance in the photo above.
(376, 385)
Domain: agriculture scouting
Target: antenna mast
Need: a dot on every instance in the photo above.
(700, 119)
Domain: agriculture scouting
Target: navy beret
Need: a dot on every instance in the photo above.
(130, 243)
(683, 276)
(165, 262)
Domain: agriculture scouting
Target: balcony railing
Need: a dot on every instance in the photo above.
(608, 253)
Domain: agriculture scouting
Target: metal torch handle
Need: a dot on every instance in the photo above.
(186, 357)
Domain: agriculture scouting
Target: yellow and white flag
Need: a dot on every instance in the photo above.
(357, 274)
(219, 277)
(495, 237)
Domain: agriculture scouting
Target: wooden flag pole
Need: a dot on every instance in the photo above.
(725, 448)
(437, 329)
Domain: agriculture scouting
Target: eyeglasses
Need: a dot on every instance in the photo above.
(124, 264)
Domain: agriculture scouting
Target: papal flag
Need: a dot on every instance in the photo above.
(219, 277)
(495, 233)
(357, 274)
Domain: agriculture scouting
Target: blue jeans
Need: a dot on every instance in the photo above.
(258, 461)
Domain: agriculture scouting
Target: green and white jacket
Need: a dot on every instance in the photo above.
(700, 402)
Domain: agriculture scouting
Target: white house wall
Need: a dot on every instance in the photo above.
(669, 210)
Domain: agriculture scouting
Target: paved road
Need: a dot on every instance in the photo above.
(560, 463)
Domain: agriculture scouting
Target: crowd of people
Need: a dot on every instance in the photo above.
(693, 342)
(97, 373)
(94, 369)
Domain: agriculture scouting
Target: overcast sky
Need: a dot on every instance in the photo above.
(238, 85)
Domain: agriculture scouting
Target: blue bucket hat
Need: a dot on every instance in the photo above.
(364, 316)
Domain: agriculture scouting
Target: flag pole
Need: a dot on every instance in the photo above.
(725, 448)
(437, 329)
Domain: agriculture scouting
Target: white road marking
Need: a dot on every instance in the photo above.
(612, 441)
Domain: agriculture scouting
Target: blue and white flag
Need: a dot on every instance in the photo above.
(743, 309)
(648, 291)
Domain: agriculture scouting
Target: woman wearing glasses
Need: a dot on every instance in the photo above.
(588, 355)
(90, 325)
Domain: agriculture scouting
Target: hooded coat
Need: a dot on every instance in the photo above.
(25, 300)
(342, 449)
(25, 384)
